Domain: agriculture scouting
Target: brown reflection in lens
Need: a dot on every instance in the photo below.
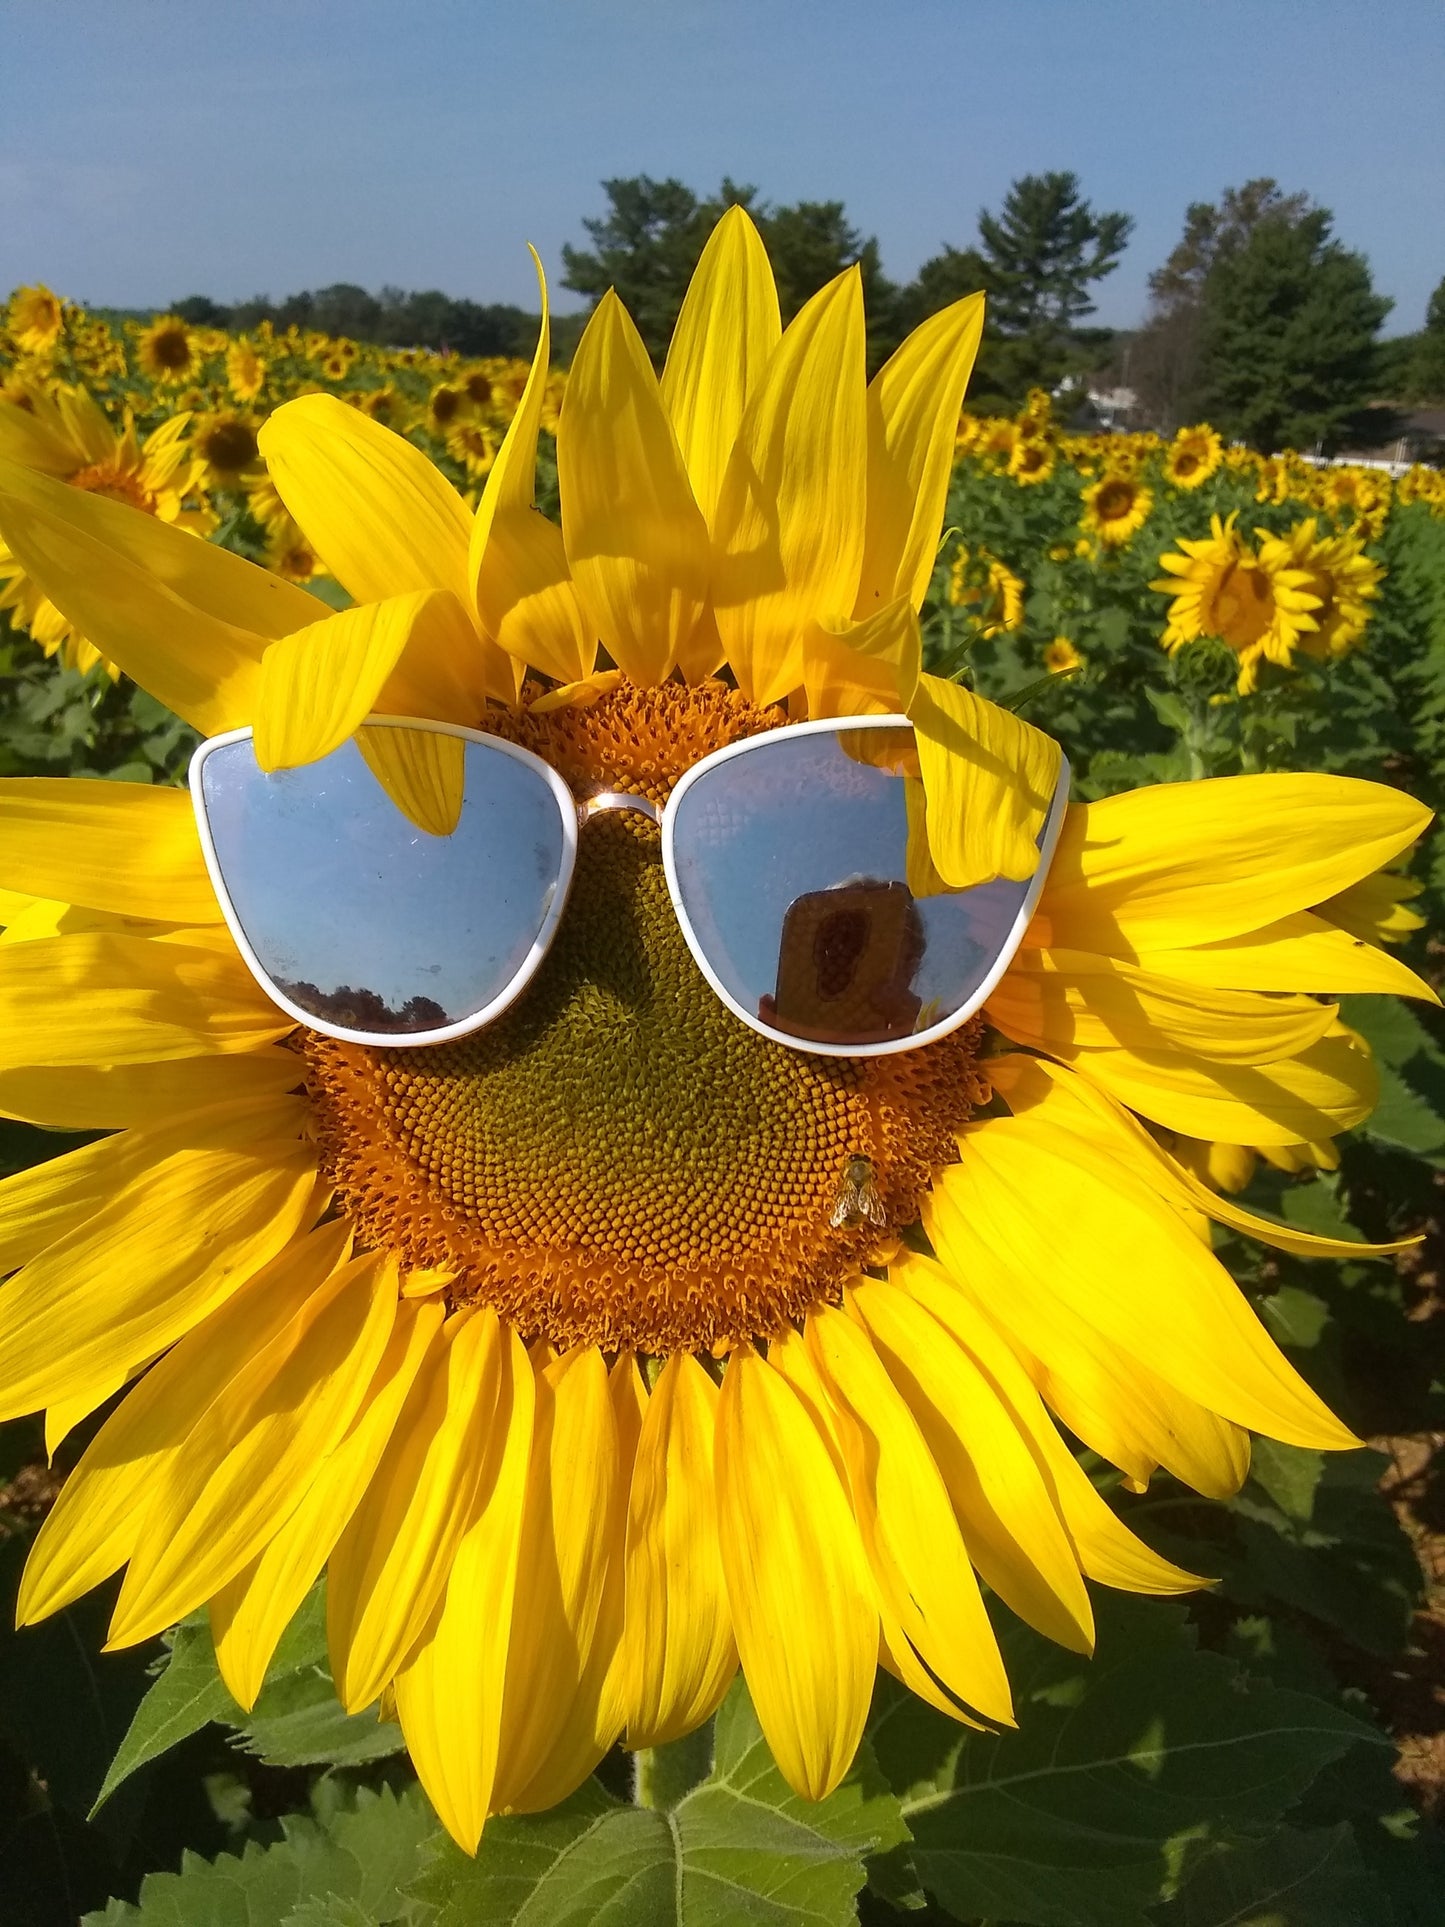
(846, 964)
(364, 1009)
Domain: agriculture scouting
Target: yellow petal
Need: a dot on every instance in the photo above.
(381, 517)
(320, 684)
(1009, 1516)
(92, 1527)
(422, 771)
(862, 669)
(724, 339)
(798, 1584)
(1078, 998)
(1112, 1251)
(569, 1589)
(449, 1693)
(187, 620)
(125, 847)
(913, 406)
(680, 1654)
(788, 530)
(250, 1612)
(526, 599)
(91, 1097)
(636, 542)
(171, 1247)
(1301, 952)
(989, 778)
(124, 1000)
(1190, 863)
(247, 1464)
(390, 1565)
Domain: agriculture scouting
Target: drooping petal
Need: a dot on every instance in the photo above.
(422, 771)
(1011, 1521)
(106, 999)
(390, 1565)
(680, 1654)
(862, 669)
(130, 848)
(449, 1693)
(189, 621)
(382, 518)
(913, 406)
(90, 1531)
(247, 1464)
(252, 1610)
(799, 1589)
(1179, 864)
(788, 530)
(172, 1246)
(725, 337)
(636, 542)
(1104, 1247)
(989, 778)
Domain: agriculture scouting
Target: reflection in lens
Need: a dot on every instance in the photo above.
(360, 915)
(792, 863)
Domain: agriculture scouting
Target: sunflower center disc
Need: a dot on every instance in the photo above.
(618, 1160)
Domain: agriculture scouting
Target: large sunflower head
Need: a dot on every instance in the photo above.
(1258, 601)
(588, 1353)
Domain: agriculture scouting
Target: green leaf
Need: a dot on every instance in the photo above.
(1290, 1880)
(740, 1848)
(187, 1695)
(349, 1867)
(1122, 1771)
(1288, 1473)
(298, 1720)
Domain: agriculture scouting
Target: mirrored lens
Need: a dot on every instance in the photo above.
(802, 867)
(360, 904)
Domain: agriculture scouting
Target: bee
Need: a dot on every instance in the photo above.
(858, 1201)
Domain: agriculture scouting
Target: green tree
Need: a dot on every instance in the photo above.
(1426, 373)
(1287, 340)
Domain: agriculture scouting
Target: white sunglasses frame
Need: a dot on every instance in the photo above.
(573, 814)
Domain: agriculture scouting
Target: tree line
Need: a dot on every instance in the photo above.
(1260, 320)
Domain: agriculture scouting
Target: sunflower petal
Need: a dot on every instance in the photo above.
(636, 542)
(725, 337)
(95, 1097)
(381, 517)
(124, 847)
(423, 772)
(989, 778)
(680, 1653)
(1302, 952)
(861, 670)
(798, 1584)
(788, 530)
(913, 406)
(449, 1694)
(247, 1464)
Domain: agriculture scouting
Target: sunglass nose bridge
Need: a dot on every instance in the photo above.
(618, 800)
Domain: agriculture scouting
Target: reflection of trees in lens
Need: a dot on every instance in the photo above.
(364, 1009)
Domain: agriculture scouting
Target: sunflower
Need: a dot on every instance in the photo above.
(444, 405)
(988, 589)
(1060, 656)
(35, 319)
(65, 434)
(225, 443)
(1116, 507)
(1343, 578)
(1260, 603)
(550, 1343)
(1193, 456)
(1032, 460)
(167, 350)
(245, 370)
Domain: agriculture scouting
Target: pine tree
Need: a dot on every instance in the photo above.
(1426, 374)
(1288, 327)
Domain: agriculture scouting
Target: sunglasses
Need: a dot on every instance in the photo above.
(789, 858)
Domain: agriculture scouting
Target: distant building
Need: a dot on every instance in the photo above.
(1415, 435)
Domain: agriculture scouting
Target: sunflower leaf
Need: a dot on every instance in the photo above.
(188, 1694)
(1124, 1773)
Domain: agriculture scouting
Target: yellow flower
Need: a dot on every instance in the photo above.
(988, 589)
(225, 444)
(36, 318)
(245, 370)
(1260, 603)
(1116, 507)
(66, 435)
(1060, 655)
(444, 405)
(389, 1312)
(1343, 578)
(167, 350)
(1032, 460)
(1193, 456)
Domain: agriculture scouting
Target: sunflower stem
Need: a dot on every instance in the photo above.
(664, 1775)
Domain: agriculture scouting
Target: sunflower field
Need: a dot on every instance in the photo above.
(1266, 1743)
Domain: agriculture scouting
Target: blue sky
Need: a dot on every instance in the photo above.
(154, 148)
